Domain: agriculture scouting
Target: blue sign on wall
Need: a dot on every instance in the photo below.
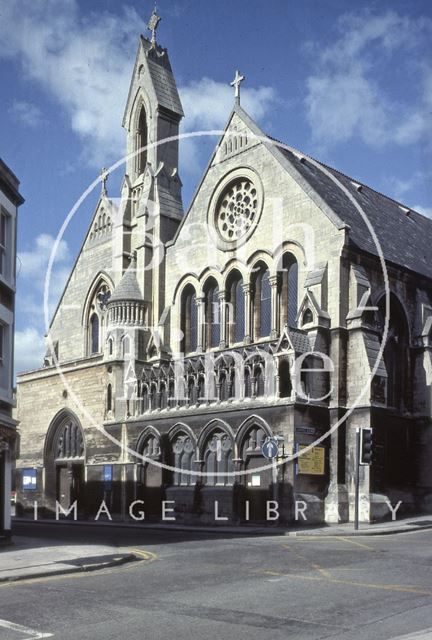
(29, 479)
(107, 474)
(270, 448)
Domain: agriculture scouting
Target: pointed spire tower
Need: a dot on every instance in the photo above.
(151, 194)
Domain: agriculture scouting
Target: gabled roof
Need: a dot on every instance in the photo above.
(405, 236)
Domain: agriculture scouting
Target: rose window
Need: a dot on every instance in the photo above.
(237, 209)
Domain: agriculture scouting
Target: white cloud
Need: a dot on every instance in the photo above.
(26, 112)
(85, 63)
(207, 105)
(32, 269)
(33, 263)
(29, 349)
(348, 96)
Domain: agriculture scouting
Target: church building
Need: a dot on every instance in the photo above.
(289, 304)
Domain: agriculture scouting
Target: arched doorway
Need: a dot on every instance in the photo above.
(149, 477)
(257, 484)
(64, 461)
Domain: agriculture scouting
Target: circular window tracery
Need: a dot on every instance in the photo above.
(237, 209)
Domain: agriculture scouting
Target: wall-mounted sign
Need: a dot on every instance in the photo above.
(107, 474)
(29, 478)
(312, 462)
(310, 431)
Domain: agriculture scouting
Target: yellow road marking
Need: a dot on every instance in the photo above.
(349, 540)
(147, 556)
(321, 570)
(369, 585)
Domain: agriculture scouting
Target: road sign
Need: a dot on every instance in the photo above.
(270, 448)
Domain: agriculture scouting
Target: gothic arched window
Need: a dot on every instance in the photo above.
(212, 316)
(235, 308)
(261, 296)
(259, 382)
(218, 460)
(183, 450)
(396, 353)
(109, 397)
(247, 383)
(285, 385)
(141, 142)
(70, 441)
(288, 289)
(95, 322)
(189, 320)
(94, 333)
(163, 396)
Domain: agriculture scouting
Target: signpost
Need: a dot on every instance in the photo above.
(270, 448)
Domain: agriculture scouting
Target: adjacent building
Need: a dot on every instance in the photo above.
(10, 200)
(184, 340)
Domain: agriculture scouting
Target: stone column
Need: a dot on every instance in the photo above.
(247, 289)
(222, 319)
(273, 280)
(200, 323)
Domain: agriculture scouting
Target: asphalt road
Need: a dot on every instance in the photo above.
(231, 587)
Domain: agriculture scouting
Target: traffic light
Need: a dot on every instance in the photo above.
(366, 446)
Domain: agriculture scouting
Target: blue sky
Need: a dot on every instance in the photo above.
(349, 83)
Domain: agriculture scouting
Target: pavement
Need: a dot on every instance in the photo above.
(30, 557)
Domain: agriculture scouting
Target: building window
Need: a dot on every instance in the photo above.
(189, 320)
(261, 292)
(307, 317)
(235, 308)
(212, 316)
(288, 288)
(163, 396)
(70, 441)
(259, 382)
(94, 324)
(4, 225)
(396, 354)
(109, 398)
(247, 383)
(285, 386)
(183, 450)
(218, 460)
(142, 141)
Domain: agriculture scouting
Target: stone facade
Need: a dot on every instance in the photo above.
(10, 200)
(182, 342)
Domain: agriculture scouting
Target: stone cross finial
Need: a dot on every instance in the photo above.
(104, 177)
(153, 25)
(236, 83)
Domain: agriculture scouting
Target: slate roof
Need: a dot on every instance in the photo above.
(299, 339)
(163, 78)
(128, 287)
(405, 236)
